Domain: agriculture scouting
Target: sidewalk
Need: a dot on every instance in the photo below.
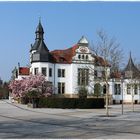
(19, 121)
(114, 110)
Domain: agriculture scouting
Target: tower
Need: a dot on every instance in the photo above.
(131, 70)
(39, 51)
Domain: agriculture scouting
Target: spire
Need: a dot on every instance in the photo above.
(39, 31)
(130, 58)
(40, 19)
(130, 54)
(130, 65)
(131, 68)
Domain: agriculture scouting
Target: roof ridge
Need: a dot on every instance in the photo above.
(65, 49)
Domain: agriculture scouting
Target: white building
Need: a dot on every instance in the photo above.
(126, 85)
(20, 72)
(66, 69)
(76, 66)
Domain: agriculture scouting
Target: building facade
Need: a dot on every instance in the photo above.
(126, 85)
(65, 69)
(78, 66)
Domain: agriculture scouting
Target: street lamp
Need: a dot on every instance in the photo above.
(132, 90)
(122, 92)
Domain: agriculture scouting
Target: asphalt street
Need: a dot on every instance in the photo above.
(19, 121)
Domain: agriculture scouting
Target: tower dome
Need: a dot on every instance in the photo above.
(83, 41)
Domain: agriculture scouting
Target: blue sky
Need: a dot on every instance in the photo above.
(64, 23)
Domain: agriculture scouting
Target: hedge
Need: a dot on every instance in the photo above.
(86, 103)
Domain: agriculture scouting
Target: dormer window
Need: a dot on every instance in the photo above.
(62, 59)
(79, 56)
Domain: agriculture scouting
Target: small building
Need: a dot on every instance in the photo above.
(127, 84)
(20, 72)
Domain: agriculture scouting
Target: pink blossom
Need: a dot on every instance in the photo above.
(21, 88)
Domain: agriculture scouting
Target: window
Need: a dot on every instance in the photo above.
(83, 56)
(87, 57)
(61, 88)
(128, 89)
(79, 56)
(104, 89)
(95, 73)
(50, 83)
(44, 71)
(135, 89)
(16, 74)
(117, 89)
(97, 89)
(83, 77)
(61, 72)
(35, 71)
(103, 73)
(50, 72)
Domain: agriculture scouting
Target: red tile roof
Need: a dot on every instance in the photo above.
(24, 71)
(116, 75)
(99, 61)
(64, 56)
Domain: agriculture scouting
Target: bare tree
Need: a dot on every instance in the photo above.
(108, 49)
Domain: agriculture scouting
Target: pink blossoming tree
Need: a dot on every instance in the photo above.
(32, 87)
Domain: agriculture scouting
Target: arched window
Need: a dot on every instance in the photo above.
(97, 89)
(104, 89)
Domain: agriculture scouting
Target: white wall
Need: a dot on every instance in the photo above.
(20, 77)
(126, 97)
(39, 65)
(67, 79)
(75, 76)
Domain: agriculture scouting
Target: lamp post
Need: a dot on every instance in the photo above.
(122, 92)
(132, 97)
(132, 89)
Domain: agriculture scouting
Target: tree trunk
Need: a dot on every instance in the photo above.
(107, 92)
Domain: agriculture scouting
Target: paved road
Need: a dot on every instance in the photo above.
(19, 121)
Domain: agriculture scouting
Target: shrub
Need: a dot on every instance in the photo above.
(82, 92)
(24, 100)
(83, 103)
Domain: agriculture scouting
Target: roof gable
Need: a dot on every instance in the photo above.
(24, 71)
